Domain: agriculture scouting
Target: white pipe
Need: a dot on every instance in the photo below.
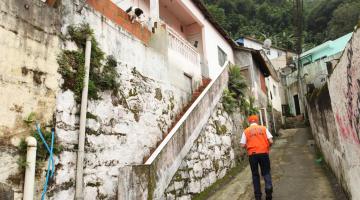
(84, 97)
(30, 169)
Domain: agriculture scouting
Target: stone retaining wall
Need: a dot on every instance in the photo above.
(210, 158)
(121, 130)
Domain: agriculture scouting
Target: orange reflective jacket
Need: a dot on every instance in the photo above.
(256, 140)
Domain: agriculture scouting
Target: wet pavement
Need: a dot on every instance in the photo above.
(295, 172)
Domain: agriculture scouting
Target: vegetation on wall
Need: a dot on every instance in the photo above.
(41, 152)
(229, 102)
(235, 96)
(260, 19)
(103, 75)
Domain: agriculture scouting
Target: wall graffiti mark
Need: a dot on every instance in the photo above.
(349, 122)
(346, 131)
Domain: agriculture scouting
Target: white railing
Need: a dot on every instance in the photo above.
(180, 45)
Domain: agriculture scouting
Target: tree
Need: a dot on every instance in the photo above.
(219, 15)
(237, 84)
(261, 19)
(344, 19)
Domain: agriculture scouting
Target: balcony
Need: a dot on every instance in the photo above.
(183, 47)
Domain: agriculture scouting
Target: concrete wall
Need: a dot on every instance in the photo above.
(323, 127)
(150, 59)
(274, 88)
(317, 71)
(344, 93)
(335, 122)
(212, 39)
(29, 80)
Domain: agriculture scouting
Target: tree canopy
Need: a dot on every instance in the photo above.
(261, 19)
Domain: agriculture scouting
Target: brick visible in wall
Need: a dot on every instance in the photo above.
(51, 2)
(121, 18)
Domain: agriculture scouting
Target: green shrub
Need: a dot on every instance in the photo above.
(237, 83)
(41, 151)
(229, 102)
(235, 97)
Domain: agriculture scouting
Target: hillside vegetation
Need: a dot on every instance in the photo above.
(323, 19)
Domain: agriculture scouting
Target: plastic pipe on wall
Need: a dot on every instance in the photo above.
(30, 168)
(79, 194)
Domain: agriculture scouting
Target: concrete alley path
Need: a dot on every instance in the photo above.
(295, 173)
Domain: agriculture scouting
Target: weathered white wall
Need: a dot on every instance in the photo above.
(28, 66)
(29, 81)
(333, 115)
(323, 127)
(126, 127)
(211, 40)
(344, 85)
(275, 92)
(114, 40)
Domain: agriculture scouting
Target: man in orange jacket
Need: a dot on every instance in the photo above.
(257, 141)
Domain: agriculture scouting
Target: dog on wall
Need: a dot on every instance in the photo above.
(134, 13)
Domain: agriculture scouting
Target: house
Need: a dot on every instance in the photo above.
(316, 65)
(277, 59)
(192, 34)
(271, 52)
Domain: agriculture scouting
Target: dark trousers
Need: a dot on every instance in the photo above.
(264, 161)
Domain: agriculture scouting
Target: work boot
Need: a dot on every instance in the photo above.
(257, 197)
(269, 193)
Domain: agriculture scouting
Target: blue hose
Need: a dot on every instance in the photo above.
(51, 163)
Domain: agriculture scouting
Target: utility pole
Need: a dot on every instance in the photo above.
(298, 19)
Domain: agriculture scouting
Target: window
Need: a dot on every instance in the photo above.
(274, 89)
(221, 56)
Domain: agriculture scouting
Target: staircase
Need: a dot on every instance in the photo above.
(149, 180)
(295, 122)
(195, 95)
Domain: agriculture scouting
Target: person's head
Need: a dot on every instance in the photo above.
(253, 119)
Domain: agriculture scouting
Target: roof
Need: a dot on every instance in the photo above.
(328, 48)
(260, 42)
(265, 65)
(213, 22)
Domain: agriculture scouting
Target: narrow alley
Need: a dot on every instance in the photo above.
(149, 99)
(297, 172)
